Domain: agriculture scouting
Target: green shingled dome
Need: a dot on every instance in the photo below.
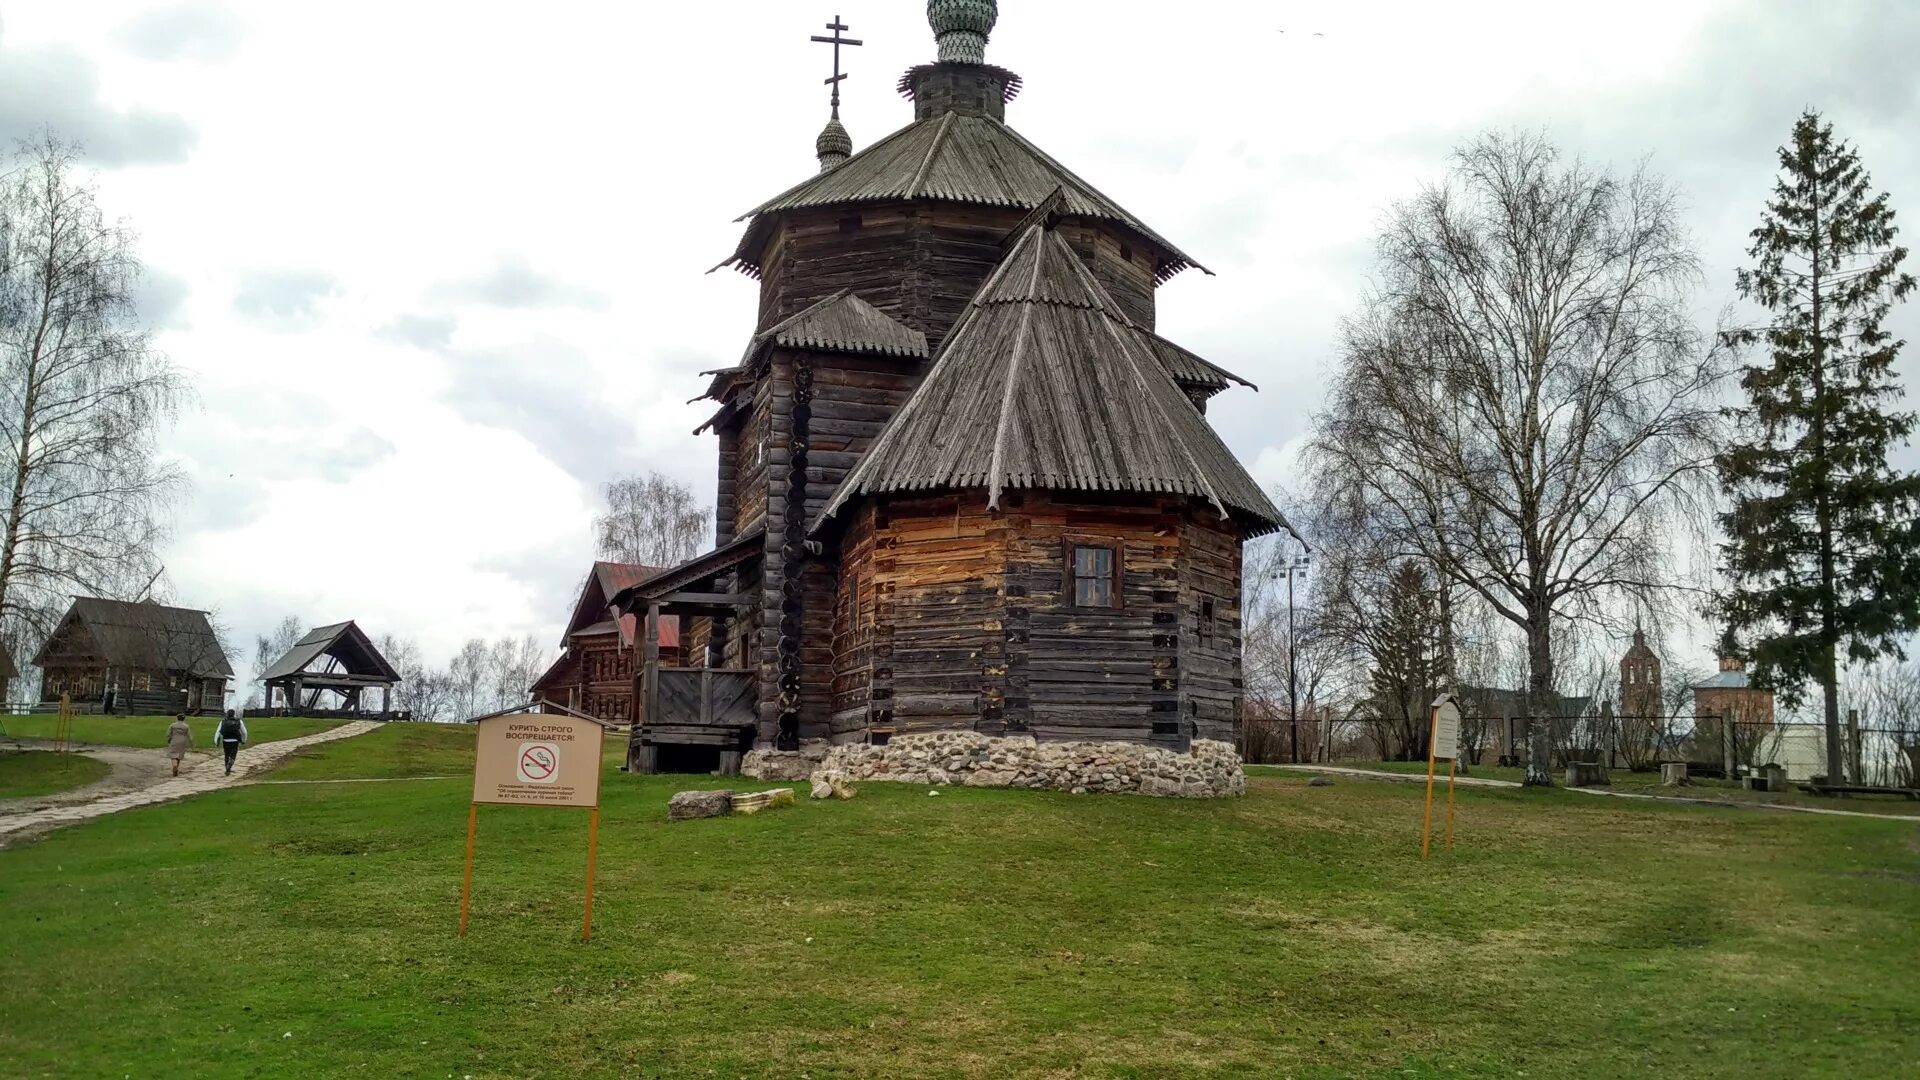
(961, 27)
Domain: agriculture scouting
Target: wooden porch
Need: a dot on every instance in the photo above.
(713, 709)
(700, 719)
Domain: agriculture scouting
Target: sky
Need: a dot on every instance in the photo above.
(439, 269)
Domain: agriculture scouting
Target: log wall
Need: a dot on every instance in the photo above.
(922, 262)
(967, 620)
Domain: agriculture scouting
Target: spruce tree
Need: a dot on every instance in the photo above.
(1822, 550)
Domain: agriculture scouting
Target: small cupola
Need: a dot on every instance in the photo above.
(834, 144)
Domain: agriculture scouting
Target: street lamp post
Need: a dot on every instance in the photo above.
(1294, 563)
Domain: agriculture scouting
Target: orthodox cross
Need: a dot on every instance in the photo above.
(836, 41)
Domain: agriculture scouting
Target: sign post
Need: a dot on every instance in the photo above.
(1445, 742)
(537, 759)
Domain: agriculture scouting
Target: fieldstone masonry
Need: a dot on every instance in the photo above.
(1211, 770)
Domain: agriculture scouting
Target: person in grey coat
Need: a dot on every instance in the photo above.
(179, 741)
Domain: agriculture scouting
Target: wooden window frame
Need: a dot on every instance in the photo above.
(1069, 595)
(1208, 622)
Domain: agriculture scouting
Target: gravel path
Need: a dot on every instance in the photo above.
(143, 777)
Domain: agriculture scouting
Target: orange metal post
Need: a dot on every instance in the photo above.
(593, 847)
(1426, 829)
(466, 885)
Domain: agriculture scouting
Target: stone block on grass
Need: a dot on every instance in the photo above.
(688, 805)
(752, 802)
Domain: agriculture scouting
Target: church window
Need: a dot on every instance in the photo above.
(1093, 572)
(1206, 623)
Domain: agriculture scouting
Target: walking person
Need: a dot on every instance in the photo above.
(179, 741)
(233, 732)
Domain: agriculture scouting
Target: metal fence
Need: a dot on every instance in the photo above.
(1872, 756)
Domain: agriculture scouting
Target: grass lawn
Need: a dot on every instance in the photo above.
(1648, 783)
(308, 930)
(37, 772)
(151, 731)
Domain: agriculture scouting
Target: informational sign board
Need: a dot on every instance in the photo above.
(538, 759)
(1445, 744)
(1446, 729)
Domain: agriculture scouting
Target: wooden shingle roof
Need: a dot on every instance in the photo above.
(955, 157)
(1189, 368)
(1045, 383)
(841, 323)
(345, 642)
(149, 635)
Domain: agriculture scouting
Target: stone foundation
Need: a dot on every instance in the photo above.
(798, 764)
(1211, 770)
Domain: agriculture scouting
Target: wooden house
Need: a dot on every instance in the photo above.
(597, 668)
(963, 482)
(329, 670)
(137, 658)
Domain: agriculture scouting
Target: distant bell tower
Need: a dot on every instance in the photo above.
(1640, 679)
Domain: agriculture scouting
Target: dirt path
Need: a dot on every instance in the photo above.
(1478, 781)
(143, 777)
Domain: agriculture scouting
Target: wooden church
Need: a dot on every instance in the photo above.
(963, 482)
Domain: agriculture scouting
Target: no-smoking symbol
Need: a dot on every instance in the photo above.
(538, 762)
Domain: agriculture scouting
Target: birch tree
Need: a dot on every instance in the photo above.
(1524, 403)
(653, 520)
(83, 396)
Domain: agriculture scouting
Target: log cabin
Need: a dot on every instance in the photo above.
(963, 483)
(595, 673)
(142, 658)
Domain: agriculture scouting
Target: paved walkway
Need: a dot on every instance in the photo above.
(1481, 781)
(210, 776)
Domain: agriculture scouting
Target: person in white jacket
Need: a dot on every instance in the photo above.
(231, 734)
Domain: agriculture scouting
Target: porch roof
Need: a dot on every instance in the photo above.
(702, 569)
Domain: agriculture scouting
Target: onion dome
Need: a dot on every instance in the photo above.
(961, 27)
(834, 145)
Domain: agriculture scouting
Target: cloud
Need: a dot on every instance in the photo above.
(357, 451)
(289, 297)
(552, 574)
(54, 87)
(430, 332)
(514, 283)
(546, 392)
(196, 33)
(160, 299)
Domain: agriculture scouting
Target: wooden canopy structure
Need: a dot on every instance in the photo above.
(339, 659)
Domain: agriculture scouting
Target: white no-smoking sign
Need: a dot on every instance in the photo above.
(537, 762)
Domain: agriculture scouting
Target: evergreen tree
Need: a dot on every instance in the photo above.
(1822, 554)
(1410, 658)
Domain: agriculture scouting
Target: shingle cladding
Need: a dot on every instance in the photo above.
(843, 323)
(150, 635)
(954, 157)
(1045, 383)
